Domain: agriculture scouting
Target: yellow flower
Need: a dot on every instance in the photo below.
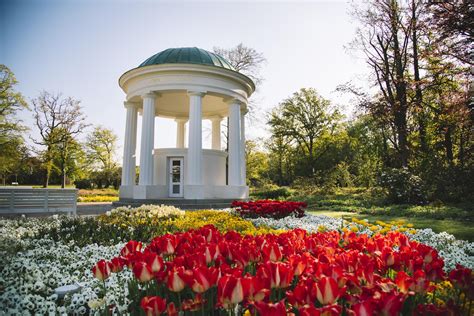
(410, 225)
(247, 313)
(374, 228)
(354, 229)
(412, 231)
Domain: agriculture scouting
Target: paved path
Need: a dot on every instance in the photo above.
(93, 208)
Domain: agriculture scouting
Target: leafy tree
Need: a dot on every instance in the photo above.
(69, 159)
(101, 145)
(12, 148)
(59, 120)
(257, 163)
(304, 119)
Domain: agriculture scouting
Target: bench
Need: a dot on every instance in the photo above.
(17, 200)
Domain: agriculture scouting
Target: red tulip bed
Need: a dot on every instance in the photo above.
(269, 208)
(205, 272)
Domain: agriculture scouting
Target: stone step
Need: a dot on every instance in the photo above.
(181, 203)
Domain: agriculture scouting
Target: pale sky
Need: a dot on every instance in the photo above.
(81, 48)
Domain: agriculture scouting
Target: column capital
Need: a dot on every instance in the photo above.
(130, 104)
(150, 94)
(215, 118)
(230, 101)
(181, 119)
(196, 93)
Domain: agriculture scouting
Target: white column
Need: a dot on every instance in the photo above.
(180, 132)
(234, 143)
(216, 132)
(194, 162)
(243, 165)
(128, 166)
(147, 142)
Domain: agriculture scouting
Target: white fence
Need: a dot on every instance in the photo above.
(26, 201)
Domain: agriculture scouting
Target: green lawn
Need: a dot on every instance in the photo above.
(461, 230)
(456, 219)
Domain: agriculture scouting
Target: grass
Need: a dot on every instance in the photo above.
(456, 219)
(459, 229)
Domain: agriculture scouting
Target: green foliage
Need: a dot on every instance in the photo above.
(12, 149)
(403, 187)
(272, 193)
(257, 163)
(306, 120)
(83, 184)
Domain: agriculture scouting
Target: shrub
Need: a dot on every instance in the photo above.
(269, 208)
(402, 186)
(83, 184)
(272, 193)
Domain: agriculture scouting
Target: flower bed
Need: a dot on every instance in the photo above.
(204, 271)
(453, 251)
(39, 254)
(269, 208)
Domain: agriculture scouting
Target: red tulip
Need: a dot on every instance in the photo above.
(404, 282)
(363, 309)
(272, 252)
(142, 271)
(255, 288)
(176, 279)
(391, 304)
(230, 290)
(153, 305)
(203, 278)
(211, 252)
(154, 261)
(116, 264)
(421, 283)
(461, 277)
(167, 244)
(271, 309)
(280, 274)
(171, 310)
(101, 270)
(309, 310)
(131, 247)
(327, 291)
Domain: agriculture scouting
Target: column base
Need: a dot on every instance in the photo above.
(143, 191)
(191, 192)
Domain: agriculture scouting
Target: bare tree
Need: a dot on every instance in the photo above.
(58, 121)
(384, 39)
(245, 60)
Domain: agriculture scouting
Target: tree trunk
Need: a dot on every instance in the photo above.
(401, 105)
(63, 176)
(448, 144)
(461, 147)
(418, 92)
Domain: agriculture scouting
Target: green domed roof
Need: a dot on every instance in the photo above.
(187, 55)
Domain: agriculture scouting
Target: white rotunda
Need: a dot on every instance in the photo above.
(187, 85)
